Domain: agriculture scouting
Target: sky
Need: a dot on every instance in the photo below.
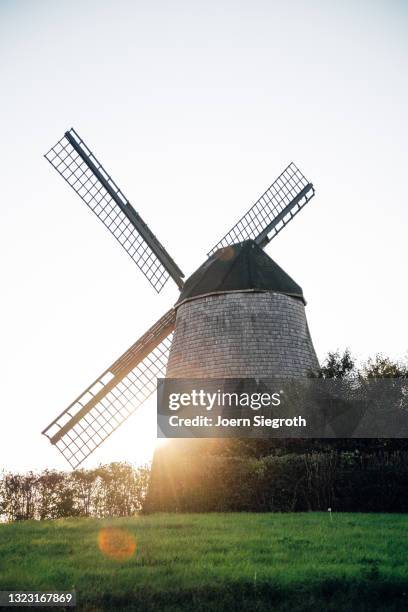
(194, 108)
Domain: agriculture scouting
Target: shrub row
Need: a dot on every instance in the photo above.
(117, 489)
(297, 482)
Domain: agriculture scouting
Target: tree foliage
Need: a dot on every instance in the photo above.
(338, 366)
(117, 489)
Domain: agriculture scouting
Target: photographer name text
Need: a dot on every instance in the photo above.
(255, 421)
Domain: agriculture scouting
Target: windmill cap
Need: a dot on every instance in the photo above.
(239, 267)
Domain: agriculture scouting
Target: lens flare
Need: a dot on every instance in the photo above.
(227, 253)
(116, 543)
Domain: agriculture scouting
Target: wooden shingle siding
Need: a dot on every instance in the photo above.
(241, 335)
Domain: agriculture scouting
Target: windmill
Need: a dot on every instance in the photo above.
(95, 414)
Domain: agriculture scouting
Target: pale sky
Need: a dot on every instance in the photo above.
(194, 108)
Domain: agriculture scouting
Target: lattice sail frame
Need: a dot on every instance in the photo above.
(114, 395)
(85, 174)
(287, 195)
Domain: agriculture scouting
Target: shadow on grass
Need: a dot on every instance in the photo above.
(329, 595)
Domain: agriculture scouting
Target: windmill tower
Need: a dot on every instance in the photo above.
(239, 315)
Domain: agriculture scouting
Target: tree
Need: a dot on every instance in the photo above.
(338, 366)
(383, 367)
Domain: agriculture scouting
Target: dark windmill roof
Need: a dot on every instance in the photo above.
(240, 267)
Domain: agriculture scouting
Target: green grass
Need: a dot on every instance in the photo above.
(207, 562)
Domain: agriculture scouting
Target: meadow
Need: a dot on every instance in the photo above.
(240, 561)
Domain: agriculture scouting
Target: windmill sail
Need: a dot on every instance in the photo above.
(287, 195)
(84, 173)
(114, 396)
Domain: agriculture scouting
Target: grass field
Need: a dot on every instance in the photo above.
(214, 561)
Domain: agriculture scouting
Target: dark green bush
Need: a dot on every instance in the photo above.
(343, 481)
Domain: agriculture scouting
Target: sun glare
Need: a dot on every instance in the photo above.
(161, 442)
